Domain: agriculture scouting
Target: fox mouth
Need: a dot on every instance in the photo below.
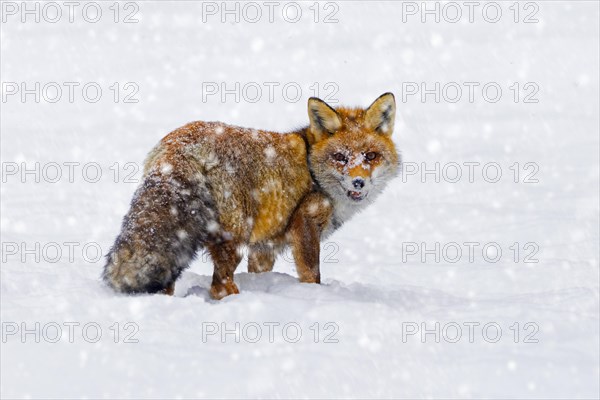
(356, 196)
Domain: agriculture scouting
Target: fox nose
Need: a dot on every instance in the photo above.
(358, 183)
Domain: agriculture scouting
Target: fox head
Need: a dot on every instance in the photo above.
(351, 153)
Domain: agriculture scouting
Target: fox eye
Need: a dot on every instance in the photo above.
(340, 157)
(370, 156)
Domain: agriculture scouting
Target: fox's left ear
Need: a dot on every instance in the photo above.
(381, 114)
(324, 120)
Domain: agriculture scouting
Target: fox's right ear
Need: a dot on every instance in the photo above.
(381, 114)
(324, 120)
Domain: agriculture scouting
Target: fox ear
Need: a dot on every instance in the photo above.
(324, 120)
(381, 114)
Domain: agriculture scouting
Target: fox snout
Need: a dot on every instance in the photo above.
(358, 183)
(356, 187)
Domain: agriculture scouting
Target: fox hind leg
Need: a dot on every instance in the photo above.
(261, 258)
(226, 257)
(170, 289)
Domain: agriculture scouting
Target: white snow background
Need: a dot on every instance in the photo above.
(374, 293)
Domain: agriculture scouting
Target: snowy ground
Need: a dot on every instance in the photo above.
(362, 332)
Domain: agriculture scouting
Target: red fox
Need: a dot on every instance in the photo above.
(219, 187)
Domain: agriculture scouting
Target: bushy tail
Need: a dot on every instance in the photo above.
(167, 223)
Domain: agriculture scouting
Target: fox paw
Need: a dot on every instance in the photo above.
(310, 278)
(169, 290)
(218, 291)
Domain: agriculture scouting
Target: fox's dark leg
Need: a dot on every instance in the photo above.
(161, 233)
(261, 258)
(304, 235)
(226, 257)
(170, 289)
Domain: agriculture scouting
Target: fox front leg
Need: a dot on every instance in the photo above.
(304, 235)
